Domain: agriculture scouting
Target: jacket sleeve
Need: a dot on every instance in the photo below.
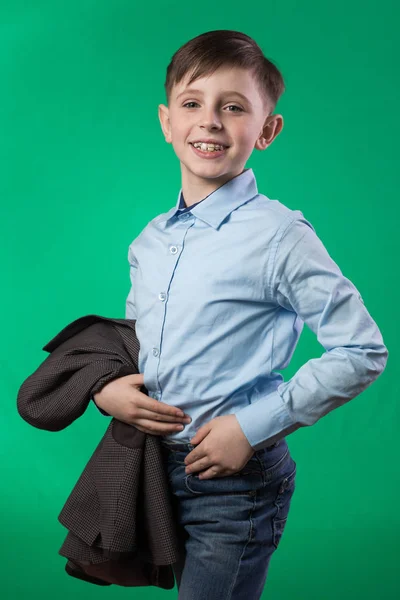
(59, 391)
(308, 282)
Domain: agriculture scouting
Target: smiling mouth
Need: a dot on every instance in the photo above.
(223, 146)
(209, 153)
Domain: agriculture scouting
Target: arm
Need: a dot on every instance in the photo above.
(130, 311)
(58, 392)
(308, 282)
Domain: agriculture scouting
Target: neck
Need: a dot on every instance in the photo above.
(195, 188)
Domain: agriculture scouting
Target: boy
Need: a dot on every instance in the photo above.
(221, 287)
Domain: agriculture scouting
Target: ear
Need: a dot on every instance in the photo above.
(272, 127)
(163, 115)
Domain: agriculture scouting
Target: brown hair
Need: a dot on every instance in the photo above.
(207, 52)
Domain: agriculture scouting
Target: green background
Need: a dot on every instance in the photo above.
(84, 167)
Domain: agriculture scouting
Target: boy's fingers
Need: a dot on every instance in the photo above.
(156, 406)
(153, 409)
(156, 428)
(143, 413)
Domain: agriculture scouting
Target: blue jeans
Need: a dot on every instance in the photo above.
(229, 526)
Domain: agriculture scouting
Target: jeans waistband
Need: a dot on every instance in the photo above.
(188, 447)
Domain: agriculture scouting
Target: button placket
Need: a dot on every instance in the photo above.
(162, 296)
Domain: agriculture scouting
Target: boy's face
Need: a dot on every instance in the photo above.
(209, 113)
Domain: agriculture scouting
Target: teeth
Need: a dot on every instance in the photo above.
(207, 147)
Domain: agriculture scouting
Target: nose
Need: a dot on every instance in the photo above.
(210, 120)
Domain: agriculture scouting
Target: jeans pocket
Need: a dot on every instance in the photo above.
(253, 465)
(282, 503)
(227, 485)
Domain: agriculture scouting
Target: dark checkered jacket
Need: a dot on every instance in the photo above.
(119, 514)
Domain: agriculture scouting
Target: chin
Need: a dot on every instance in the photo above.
(209, 167)
(213, 173)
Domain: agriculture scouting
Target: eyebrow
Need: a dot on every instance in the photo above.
(227, 93)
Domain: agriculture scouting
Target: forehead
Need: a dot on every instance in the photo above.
(225, 79)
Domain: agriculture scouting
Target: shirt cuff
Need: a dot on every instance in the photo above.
(266, 421)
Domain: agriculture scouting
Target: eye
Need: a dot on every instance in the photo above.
(230, 106)
(234, 106)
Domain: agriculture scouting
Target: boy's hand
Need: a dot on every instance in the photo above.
(122, 399)
(222, 449)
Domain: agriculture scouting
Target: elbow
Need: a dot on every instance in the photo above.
(367, 363)
(383, 356)
(377, 360)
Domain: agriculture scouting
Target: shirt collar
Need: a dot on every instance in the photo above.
(214, 209)
(181, 202)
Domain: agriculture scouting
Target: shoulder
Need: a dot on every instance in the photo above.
(282, 219)
(148, 230)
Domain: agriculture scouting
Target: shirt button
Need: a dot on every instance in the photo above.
(162, 296)
(185, 216)
(155, 352)
(173, 249)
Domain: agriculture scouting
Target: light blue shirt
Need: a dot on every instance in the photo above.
(220, 293)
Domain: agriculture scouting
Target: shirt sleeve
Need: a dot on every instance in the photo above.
(130, 309)
(307, 281)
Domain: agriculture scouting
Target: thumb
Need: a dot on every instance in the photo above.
(201, 433)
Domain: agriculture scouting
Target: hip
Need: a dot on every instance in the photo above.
(271, 467)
